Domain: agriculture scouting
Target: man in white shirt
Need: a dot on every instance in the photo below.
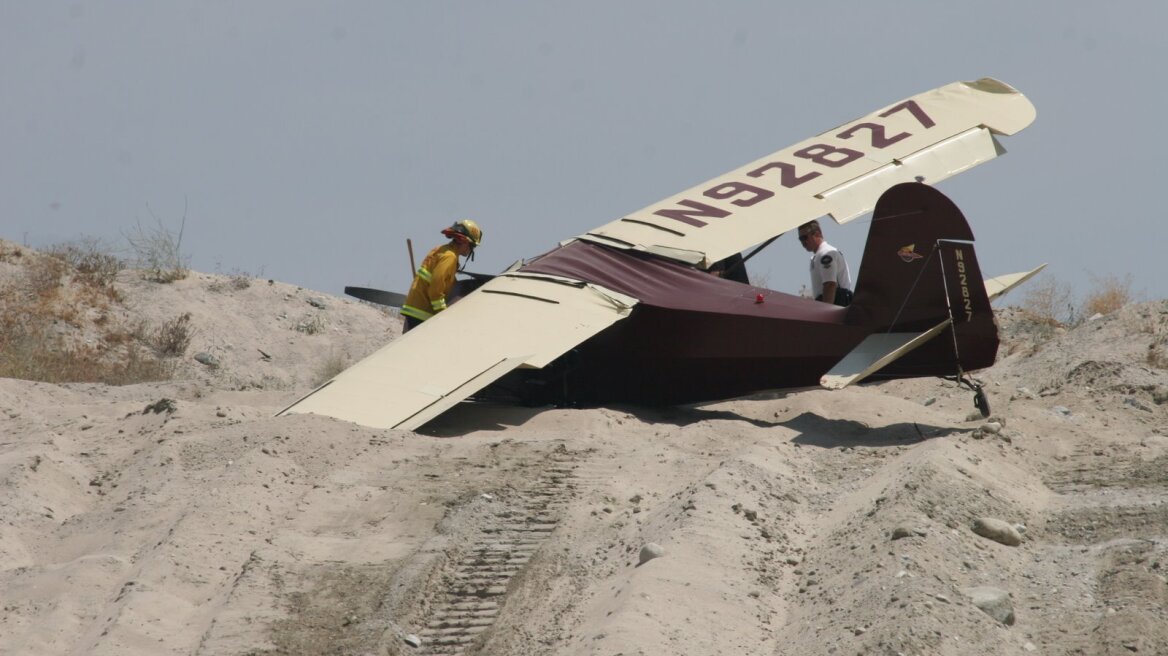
(831, 282)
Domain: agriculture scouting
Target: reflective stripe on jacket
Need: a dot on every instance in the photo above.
(411, 311)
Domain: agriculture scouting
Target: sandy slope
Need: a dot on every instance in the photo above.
(206, 526)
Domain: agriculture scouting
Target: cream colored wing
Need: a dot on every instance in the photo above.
(841, 173)
(512, 321)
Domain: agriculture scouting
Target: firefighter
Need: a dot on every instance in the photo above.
(435, 278)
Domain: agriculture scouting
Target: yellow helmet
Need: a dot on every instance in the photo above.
(465, 230)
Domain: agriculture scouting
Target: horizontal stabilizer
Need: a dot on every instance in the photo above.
(996, 287)
(874, 353)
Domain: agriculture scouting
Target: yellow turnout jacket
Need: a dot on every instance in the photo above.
(432, 282)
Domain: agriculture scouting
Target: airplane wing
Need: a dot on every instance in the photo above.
(514, 320)
(841, 173)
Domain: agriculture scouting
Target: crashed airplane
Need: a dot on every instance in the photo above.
(629, 313)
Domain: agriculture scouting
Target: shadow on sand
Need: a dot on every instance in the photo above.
(468, 417)
(833, 433)
(473, 416)
(811, 429)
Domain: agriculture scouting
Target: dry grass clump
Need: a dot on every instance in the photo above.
(90, 262)
(313, 325)
(1157, 327)
(10, 253)
(1049, 302)
(236, 281)
(43, 277)
(57, 322)
(33, 353)
(1108, 294)
(1050, 305)
(158, 251)
(39, 343)
(1157, 355)
(172, 338)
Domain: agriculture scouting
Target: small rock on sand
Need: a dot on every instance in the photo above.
(993, 602)
(651, 551)
(997, 530)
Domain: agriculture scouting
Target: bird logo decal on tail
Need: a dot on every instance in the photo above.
(909, 253)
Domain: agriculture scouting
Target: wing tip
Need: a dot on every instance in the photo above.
(990, 85)
(1018, 112)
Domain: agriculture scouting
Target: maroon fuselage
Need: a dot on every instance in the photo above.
(693, 336)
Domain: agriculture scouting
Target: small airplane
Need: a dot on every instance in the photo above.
(629, 313)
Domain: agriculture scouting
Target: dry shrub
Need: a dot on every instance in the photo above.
(240, 281)
(44, 335)
(1157, 356)
(44, 275)
(31, 349)
(172, 338)
(237, 281)
(158, 250)
(1049, 301)
(1108, 294)
(10, 252)
(90, 262)
(313, 325)
(116, 336)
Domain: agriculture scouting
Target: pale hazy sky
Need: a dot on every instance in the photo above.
(308, 140)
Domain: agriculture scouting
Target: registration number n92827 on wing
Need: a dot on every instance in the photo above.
(791, 174)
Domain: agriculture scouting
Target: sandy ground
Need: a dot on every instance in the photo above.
(183, 518)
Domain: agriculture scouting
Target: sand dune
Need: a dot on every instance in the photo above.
(181, 517)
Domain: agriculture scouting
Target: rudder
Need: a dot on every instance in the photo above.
(919, 269)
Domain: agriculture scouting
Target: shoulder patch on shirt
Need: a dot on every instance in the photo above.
(825, 261)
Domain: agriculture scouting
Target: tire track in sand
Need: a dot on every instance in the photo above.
(469, 606)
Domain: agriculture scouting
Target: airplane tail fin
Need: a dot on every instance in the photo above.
(919, 270)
